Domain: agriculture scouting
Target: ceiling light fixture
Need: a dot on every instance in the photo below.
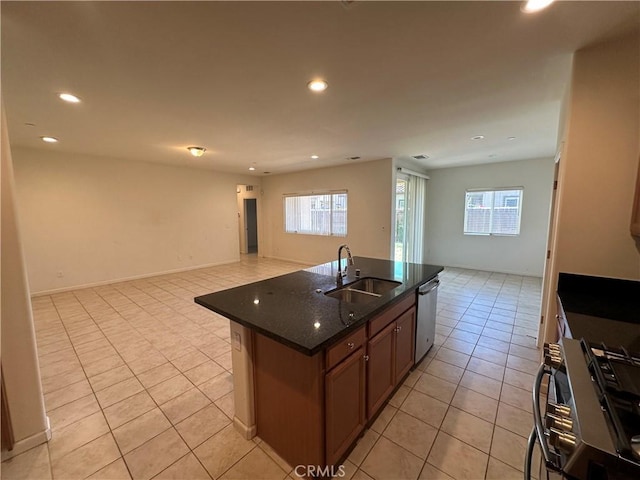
(315, 157)
(478, 137)
(197, 151)
(252, 168)
(317, 85)
(49, 139)
(511, 138)
(67, 97)
(532, 6)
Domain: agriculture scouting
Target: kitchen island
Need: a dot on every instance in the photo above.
(312, 371)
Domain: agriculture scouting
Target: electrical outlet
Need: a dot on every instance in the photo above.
(237, 341)
(60, 274)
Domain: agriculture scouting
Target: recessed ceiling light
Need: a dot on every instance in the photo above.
(315, 157)
(317, 85)
(493, 155)
(197, 151)
(511, 138)
(67, 97)
(252, 168)
(532, 6)
(478, 137)
(49, 139)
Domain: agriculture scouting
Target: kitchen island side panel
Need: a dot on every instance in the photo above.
(289, 392)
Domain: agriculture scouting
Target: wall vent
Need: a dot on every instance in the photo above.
(249, 188)
(420, 157)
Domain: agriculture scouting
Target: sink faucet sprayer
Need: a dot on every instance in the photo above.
(349, 262)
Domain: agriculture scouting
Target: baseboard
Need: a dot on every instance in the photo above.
(247, 432)
(290, 260)
(28, 443)
(506, 272)
(128, 279)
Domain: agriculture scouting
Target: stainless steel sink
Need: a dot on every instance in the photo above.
(364, 290)
(352, 296)
(374, 285)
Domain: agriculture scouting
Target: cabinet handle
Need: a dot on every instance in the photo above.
(366, 358)
(397, 329)
(350, 345)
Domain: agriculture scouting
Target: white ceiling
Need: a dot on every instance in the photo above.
(405, 78)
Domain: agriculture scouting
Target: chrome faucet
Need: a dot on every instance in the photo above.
(349, 262)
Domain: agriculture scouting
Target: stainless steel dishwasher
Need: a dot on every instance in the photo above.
(426, 317)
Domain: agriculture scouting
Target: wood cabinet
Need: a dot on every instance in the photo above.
(311, 410)
(345, 405)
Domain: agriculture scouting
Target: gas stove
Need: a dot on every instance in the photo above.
(590, 426)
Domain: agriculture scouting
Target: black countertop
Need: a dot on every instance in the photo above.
(601, 309)
(291, 310)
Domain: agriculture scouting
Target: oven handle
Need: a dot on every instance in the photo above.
(538, 426)
(528, 457)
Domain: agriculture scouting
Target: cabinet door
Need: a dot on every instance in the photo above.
(405, 342)
(345, 404)
(380, 368)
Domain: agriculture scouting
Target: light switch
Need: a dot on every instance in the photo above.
(237, 341)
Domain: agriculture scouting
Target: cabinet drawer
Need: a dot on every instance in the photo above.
(345, 347)
(385, 318)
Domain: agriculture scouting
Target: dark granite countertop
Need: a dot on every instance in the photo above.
(289, 309)
(601, 309)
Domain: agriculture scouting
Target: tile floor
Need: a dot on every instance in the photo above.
(138, 384)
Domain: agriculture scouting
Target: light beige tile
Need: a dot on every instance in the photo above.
(103, 365)
(141, 429)
(384, 418)
(146, 362)
(226, 403)
(128, 409)
(282, 463)
(493, 343)
(436, 387)
(517, 397)
(190, 360)
(508, 447)
(224, 360)
(204, 372)
(532, 354)
(424, 407)
(488, 369)
(468, 428)
(360, 475)
(63, 380)
(223, 450)
(77, 434)
(388, 460)
(157, 375)
(218, 386)
(118, 392)
(410, 433)
(501, 471)
(255, 465)
(445, 371)
(30, 465)
(522, 364)
(481, 384)
(185, 405)
(457, 459)
(514, 419)
(68, 394)
(453, 357)
(475, 403)
(459, 345)
(165, 391)
(86, 460)
(429, 472)
(72, 412)
(108, 378)
(155, 455)
(188, 467)
(490, 355)
(202, 425)
(114, 471)
(519, 379)
(363, 447)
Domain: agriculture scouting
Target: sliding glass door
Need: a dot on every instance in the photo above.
(409, 218)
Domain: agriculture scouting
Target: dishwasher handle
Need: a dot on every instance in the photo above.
(428, 287)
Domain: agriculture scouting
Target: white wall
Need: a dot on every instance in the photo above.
(20, 368)
(598, 169)
(445, 244)
(95, 219)
(370, 192)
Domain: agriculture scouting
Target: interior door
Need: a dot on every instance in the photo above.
(251, 224)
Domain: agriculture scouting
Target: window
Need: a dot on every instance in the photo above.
(493, 212)
(317, 214)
